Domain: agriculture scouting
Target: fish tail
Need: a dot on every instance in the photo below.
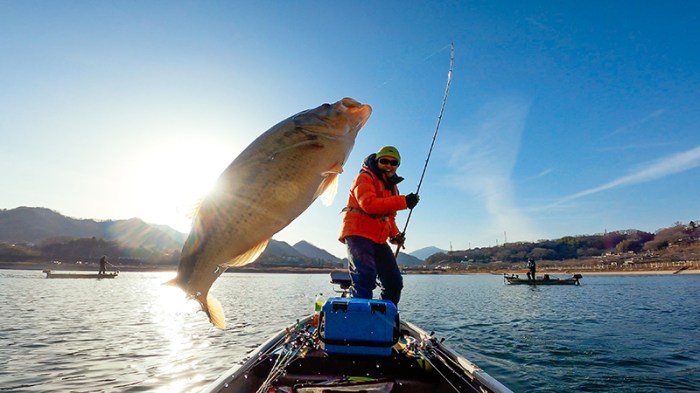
(212, 307)
(214, 311)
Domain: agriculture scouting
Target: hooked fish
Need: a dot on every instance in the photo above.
(263, 190)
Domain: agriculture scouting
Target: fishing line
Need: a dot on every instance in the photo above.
(285, 357)
(297, 342)
(426, 351)
(409, 68)
(432, 143)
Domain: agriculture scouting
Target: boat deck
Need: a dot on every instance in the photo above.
(407, 375)
(419, 363)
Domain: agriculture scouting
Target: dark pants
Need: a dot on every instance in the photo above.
(369, 260)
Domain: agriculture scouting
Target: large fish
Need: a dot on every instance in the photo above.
(264, 189)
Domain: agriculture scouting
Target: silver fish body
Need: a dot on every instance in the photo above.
(264, 189)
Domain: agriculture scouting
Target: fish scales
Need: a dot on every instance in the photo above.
(265, 188)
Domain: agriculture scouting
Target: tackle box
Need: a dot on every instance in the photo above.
(354, 326)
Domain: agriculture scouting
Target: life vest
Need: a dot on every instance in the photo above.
(371, 208)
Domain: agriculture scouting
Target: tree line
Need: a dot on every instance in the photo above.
(87, 250)
(569, 247)
(573, 247)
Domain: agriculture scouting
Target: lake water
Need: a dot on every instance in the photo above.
(131, 334)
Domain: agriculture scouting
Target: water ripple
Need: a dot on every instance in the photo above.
(622, 334)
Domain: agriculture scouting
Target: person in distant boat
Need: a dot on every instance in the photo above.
(103, 265)
(531, 268)
(369, 221)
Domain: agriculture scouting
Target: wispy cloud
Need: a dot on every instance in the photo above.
(485, 160)
(544, 173)
(663, 167)
(539, 175)
(537, 23)
(630, 126)
(637, 146)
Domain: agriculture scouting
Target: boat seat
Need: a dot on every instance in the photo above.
(342, 279)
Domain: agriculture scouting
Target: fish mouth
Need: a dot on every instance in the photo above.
(342, 118)
(355, 109)
(350, 103)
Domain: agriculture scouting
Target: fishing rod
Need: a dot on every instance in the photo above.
(114, 266)
(432, 143)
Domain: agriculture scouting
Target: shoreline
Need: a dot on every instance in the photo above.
(498, 272)
(615, 272)
(643, 272)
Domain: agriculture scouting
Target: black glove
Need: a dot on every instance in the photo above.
(399, 239)
(412, 200)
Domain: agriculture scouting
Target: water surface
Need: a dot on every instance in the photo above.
(131, 334)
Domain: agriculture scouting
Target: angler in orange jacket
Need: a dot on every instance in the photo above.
(369, 222)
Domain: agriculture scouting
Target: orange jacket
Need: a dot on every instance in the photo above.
(372, 206)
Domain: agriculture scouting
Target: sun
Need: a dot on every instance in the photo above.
(170, 180)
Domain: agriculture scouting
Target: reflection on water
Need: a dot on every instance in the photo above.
(133, 334)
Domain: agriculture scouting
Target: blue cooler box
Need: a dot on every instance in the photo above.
(353, 326)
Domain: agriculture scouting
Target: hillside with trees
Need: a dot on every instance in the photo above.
(678, 242)
(36, 237)
(39, 236)
(34, 225)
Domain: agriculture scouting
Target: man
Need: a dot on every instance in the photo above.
(103, 265)
(369, 221)
(532, 268)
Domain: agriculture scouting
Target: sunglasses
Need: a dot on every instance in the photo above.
(385, 161)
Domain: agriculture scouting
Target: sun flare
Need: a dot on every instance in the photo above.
(172, 179)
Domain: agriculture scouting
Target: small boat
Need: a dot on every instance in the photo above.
(514, 279)
(302, 359)
(50, 274)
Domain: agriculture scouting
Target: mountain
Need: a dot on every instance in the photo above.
(311, 251)
(314, 252)
(37, 224)
(34, 224)
(281, 254)
(425, 252)
(175, 234)
(276, 248)
(406, 259)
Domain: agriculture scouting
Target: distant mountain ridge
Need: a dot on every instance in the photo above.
(425, 252)
(40, 234)
(311, 251)
(407, 259)
(35, 225)
(38, 224)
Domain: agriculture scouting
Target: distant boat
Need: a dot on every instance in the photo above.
(514, 279)
(50, 274)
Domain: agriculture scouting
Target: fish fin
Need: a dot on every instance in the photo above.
(328, 189)
(329, 186)
(250, 255)
(215, 312)
(190, 211)
(171, 283)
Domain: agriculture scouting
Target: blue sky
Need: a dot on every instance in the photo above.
(563, 118)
